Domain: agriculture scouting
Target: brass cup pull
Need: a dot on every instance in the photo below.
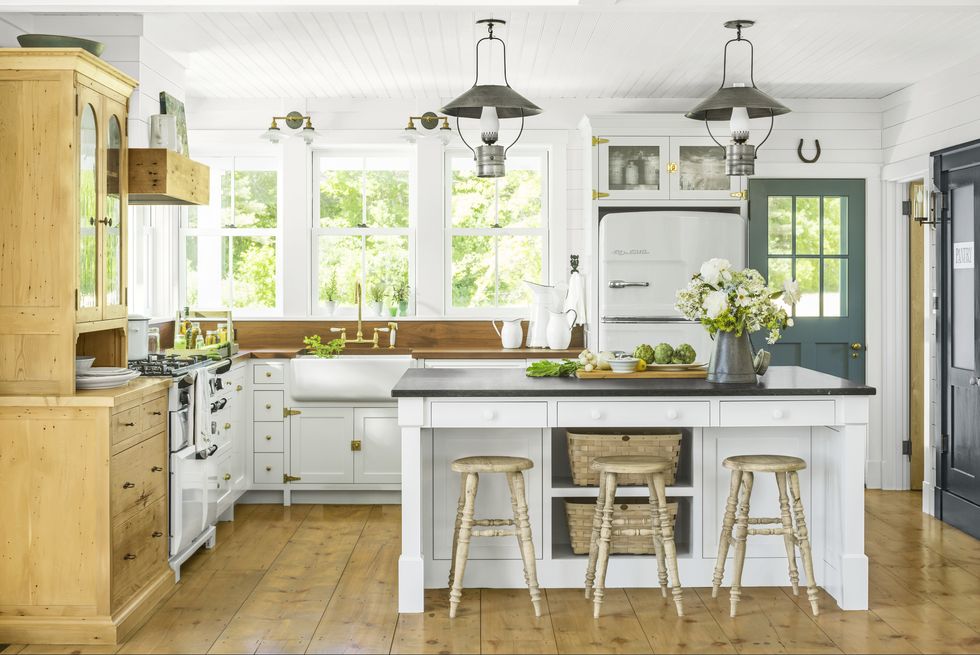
(156, 534)
(156, 469)
(268, 468)
(128, 485)
(268, 437)
(129, 556)
(268, 405)
(129, 425)
(227, 476)
(227, 426)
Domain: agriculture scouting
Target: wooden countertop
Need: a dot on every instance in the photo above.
(139, 387)
(422, 353)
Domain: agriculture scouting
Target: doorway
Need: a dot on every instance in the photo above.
(812, 231)
(918, 377)
(957, 177)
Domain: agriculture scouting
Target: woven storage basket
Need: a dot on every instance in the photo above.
(583, 448)
(636, 513)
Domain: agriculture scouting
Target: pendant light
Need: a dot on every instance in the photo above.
(490, 103)
(738, 104)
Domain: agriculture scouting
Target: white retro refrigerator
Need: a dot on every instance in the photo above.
(644, 258)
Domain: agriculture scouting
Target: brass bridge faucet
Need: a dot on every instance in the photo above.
(359, 338)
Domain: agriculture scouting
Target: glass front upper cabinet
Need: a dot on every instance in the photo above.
(87, 300)
(634, 167)
(698, 170)
(113, 229)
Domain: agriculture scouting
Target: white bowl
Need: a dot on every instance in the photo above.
(623, 364)
(83, 362)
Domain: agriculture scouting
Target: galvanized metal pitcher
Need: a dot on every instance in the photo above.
(732, 361)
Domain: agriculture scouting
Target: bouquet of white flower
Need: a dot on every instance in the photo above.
(725, 300)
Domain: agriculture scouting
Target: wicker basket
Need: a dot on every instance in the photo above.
(634, 511)
(583, 448)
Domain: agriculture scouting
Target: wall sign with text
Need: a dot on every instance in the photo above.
(963, 254)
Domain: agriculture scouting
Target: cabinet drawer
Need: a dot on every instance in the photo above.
(139, 549)
(267, 374)
(489, 415)
(268, 468)
(267, 437)
(777, 412)
(621, 414)
(138, 475)
(267, 406)
(126, 424)
(153, 414)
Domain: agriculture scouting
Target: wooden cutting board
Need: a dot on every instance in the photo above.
(694, 374)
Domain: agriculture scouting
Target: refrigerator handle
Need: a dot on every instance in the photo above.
(622, 284)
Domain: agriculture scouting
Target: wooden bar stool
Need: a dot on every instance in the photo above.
(470, 468)
(744, 468)
(604, 527)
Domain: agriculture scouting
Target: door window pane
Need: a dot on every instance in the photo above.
(87, 193)
(963, 281)
(780, 225)
(834, 287)
(807, 226)
(780, 270)
(834, 225)
(634, 168)
(702, 168)
(808, 277)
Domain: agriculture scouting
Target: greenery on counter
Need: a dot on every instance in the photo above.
(327, 350)
(548, 369)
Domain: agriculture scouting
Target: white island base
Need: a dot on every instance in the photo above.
(828, 431)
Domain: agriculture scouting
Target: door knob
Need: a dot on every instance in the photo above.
(856, 346)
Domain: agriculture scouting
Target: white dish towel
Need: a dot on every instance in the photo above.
(576, 297)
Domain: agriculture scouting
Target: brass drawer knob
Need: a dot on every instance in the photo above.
(268, 374)
(268, 437)
(227, 476)
(156, 534)
(129, 556)
(238, 388)
(227, 426)
(268, 468)
(128, 485)
(268, 405)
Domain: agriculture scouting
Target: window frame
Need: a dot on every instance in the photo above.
(315, 231)
(449, 231)
(231, 163)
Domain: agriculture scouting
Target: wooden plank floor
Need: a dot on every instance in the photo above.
(322, 579)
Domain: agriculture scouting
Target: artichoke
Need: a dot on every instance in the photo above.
(663, 353)
(684, 354)
(645, 352)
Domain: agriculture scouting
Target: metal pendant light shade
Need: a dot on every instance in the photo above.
(490, 103)
(750, 102)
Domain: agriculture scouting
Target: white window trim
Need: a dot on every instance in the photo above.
(545, 232)
(315, 231)
(230, 162)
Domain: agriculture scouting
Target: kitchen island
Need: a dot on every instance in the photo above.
(449, 413)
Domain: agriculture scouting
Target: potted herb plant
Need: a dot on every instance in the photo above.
(399, 296)
(328, 294)
(731, 305)
(376, 297)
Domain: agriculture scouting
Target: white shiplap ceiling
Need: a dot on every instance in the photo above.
(842, 51)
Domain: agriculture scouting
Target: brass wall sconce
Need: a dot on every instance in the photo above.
(293, 120)
(430, 123)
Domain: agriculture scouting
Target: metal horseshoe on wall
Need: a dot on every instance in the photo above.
(799, 152)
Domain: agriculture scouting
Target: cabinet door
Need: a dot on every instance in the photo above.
(697, 166)
(113, 222)
(90, 135)
(634, 168)
(319, 446)
(379, 460)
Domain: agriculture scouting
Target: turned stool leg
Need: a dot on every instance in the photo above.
(658, 535)
(725, 538)
(670, 550)
(459, 519)
(788, 537)
(605, 536)
(463, 546)
(523, 528)
(741, 532)
(804, 541)
(594, 539)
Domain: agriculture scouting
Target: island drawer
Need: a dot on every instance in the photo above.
(267, 437)
(267, 405)
(746, 413)
(268, 468)
(489, 414)
(633, 413)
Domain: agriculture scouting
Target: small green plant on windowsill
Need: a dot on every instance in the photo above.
(399, 296)
(376, 297)
(328, 294)
(316, 347)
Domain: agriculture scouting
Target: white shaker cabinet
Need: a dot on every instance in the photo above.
(379, 459)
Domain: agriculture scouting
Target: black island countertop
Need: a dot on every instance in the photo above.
(509, 382)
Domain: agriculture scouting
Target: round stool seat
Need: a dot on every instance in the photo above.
(764, 463)
(491, 464)
(632, 464)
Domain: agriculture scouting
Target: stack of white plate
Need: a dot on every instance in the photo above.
(103, 377)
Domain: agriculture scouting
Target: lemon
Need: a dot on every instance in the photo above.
(641, 365)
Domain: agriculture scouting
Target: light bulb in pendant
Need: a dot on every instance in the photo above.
(489, 125)
(739, 122)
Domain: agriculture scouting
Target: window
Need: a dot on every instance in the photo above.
(808, 243)
(497, 233)
(229, 248)
(362, 229)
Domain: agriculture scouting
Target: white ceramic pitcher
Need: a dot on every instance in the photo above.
(510, 332)
(545, 299)
(560, 329)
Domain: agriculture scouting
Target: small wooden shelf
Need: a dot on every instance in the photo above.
(158, 176)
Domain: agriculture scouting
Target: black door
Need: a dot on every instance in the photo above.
(958, 178)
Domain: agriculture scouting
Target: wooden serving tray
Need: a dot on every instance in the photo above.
(694, 374)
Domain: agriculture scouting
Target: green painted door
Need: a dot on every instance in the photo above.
(812, 231)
